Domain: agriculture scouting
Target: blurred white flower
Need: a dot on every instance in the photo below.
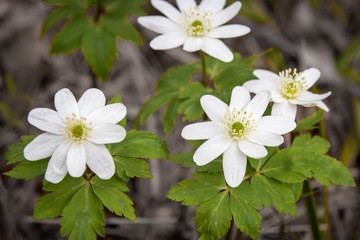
(288, 89)
(195, 27)
(75, 135)
(237, 130)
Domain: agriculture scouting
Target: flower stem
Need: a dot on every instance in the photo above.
(310, 204)
(203, 68)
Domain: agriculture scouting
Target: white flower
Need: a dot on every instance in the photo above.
(238, 130)
(195, 27)
(75, 135)
(288, 89)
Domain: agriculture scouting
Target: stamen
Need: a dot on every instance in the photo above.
(77, 129)
(292, 84)
(197, 23)
(238, 124)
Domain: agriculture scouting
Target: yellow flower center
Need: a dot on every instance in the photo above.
(77, 129)
(238, 124)
(196, 22)
(292, 84)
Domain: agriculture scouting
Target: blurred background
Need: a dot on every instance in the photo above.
(294, 33)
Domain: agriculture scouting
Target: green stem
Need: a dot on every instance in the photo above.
(310, 204)
(203, 68)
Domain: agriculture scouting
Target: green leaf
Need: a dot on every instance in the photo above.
(245, 217)
(214, 166)
(83, 216)
(140, 144)
(186, 159)
(316, 144)
(29, 169)
(296, 189)
(123, 7)
(58, 14)
(117, 99)
(52, 204)
(309, 122)
(269, 190)
(15, 152)
(193, 193)
(257, 164)
(170, 115)
(191, 109)
(71, 36)
(110, 192)
(213, 217)
(100, 51)
(131, 167)
(194, 89)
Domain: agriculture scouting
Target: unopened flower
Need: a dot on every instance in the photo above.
(196, 27)
(236, 131)
(75, 135)
(288, 89)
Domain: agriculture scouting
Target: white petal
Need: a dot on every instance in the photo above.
(159, 24)
(212, 5)
(112, 113)
(65, 103)
(203, 130)
(258, 104)
(168, 41)
(284, 109)
(167, 9)
(47, 120)
(76, 160)
(214, 108)
(256, 86)
(185, 5)
(226, 15)
(193, 44)
(266, 75)
(234, 165)
(229, 31)
(266, 138)
(276, 124)
(107, 133)
(211, 149)
(99, 160)
(251, 149)
(217, 49)
(92, 99)
(311, 75)
(56, 169)
(240, 97)
(42, 146)
(312, 97)
(319, 104)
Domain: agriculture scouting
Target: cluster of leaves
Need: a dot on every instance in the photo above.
(182, 95)
(80, 201)
(97, 36)
(276, 179)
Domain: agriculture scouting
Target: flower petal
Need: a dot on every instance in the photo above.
(276, 124)
(234, 165)
(319, 104)
(159, 24)
(258, 104)
(167, 9)
(284, 109)
(211, 149)
(266, 138)
(312, 97)
(76, 160)
(56, 169)
(256, 86)
(203, 130)
(266, 75)
(217, 49)
(240, 97)
(42, 146)
(92, 99)
(112, 113)
(168, 41)
(226, 15)
(212, 5)
(229, 31)
(107, 133)
(65, 103)
(251, 149)
(311, 75)
(193, 44)
(47, 120)
(185, 5)
(214, 108)
(99, 160)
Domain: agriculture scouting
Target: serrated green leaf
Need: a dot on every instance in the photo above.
(123, 7)
(71, 36)
(15, 152)
(309, 122)
(245, 217)
(296, 189)
(100, 51)
(195, 192)
(52, 204)
(316, 144)
(83, 216)
(194, 89)
(131, 167)
(214, 166)
(110, 192)
(191, 109)
(140, 144)
(186, 159)
(29, 169)
(58, 14)
(257, 164)
(269, 190)
(170, 115)
(117, 99)
(213, 217)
